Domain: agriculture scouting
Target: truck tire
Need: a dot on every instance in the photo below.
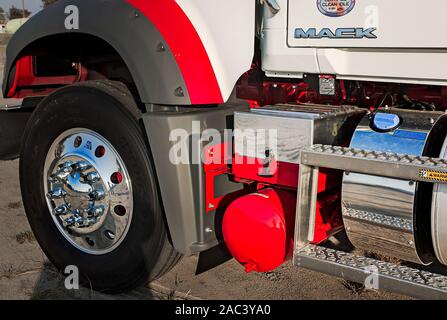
(89, 188)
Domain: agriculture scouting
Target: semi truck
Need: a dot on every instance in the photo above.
(261, 130)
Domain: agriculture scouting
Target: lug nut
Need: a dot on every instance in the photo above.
(87, 222)
(96, 211)
(97, 195)
(66, 164)
(61, 175)
(56, 194)
(82, 166)
(92, 177)
(62, 209)
(74, 220)
(78, 222)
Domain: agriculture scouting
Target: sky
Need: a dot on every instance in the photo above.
(32, 5)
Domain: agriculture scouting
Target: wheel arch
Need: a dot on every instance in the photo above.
(124, 28)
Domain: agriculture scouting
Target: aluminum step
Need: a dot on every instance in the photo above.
(388, 276)
(385, 164)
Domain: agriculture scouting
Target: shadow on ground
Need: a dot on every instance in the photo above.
(50, 285)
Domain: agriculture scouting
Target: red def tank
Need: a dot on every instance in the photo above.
(258, 229)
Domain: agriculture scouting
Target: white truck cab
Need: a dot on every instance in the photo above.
(371, 40)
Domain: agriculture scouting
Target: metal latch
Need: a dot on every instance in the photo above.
(269, 166)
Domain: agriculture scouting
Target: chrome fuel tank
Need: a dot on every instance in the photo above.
(380, 213)
(439, 216)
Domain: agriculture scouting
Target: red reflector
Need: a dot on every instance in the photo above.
(100, 152)
(117, 178)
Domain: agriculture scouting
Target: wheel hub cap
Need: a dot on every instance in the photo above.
(83, 199)
(88, 191)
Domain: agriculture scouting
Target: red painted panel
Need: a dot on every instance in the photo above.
(27, 84)
(187, 47)
(285, 175)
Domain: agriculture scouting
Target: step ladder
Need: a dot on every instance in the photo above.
(392, 277)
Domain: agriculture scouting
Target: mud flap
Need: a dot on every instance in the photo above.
(12, 125)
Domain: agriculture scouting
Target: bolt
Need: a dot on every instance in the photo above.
(78, 221)
(62, 174)
(57, 193)
(208, 230)
(62, 209)
(96, 211)
(211, 206)
(66, 164)
(74, 220)
(179, 92)
(161, 47)
(97, 195)
(82, 166)
(92, 177)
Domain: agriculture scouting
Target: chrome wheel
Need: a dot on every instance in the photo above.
(88, 191)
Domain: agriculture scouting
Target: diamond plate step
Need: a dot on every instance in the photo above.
(385, 164)
(388, 276)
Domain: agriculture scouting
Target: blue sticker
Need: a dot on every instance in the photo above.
(335, 8)
(385, 122)
(414, 135)
(88, 145)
